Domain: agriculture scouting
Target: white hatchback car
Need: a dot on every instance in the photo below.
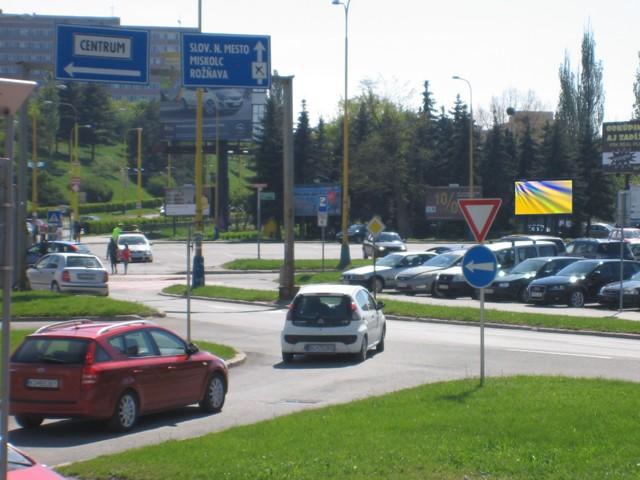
(333, 319)
(69, 272)
(139, 245)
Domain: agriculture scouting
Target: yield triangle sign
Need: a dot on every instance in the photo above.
(479, 214)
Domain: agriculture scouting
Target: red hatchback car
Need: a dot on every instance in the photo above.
(115, 371)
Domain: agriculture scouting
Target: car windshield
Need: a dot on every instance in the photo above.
(442, 260)
(82, 248)
(389, 260)
(388, 237)
(122, 240)
(635, 276)
(83, 262)
(577, 268)
(51, 350)
(530, 265)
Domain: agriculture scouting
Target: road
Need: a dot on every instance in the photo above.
(263, 388)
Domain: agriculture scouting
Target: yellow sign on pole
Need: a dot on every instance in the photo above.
(375, 226)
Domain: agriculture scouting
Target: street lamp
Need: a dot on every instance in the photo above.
(455, 77)
(74, 169)
(345, 257)
(139, 162)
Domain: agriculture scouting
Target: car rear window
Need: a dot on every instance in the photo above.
(85, 262)
(327, 307)
(51, 350)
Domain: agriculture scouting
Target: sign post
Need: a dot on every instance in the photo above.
(323, 214)
(258, 187)
(479, 265)
(375, 227)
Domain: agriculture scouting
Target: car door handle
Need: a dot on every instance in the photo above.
(138, 370)
(171, 367)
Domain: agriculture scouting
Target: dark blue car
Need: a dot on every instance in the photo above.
(37, 250)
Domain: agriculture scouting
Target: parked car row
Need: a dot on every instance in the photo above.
(531, 269)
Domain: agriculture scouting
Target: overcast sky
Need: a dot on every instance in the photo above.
(495, 44)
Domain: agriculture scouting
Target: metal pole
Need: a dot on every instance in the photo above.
(21, 198)
(345, 254)
(34, 166)
(188, 283)
(6, 290)
(481, 336)
(198, 259)
(259, 220)
(286, 278)
(322, 230)
(139, 198)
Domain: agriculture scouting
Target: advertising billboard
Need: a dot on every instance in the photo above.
(307, 199)
(544, 197)
(441, 203)
(621, 147)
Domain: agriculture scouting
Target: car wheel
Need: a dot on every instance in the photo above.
(524, 295)
(380, 345)
(361, 356)
(214, 394)
(29, 421)
(576, 299)
(55, 287)
(437, 293)
(376, 284)
(125, 415)
(287, 357)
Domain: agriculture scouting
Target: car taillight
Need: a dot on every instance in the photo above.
(105, 277)
(355, 315)
(66, 276)
(89, 373)
(290, 312)
(354, 307)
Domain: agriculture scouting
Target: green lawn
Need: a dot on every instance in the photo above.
(49, 304)
(442, 312)
(512, 428)
(303, 264)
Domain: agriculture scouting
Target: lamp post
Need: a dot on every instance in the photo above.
(34, 164)
(138, 130)
(345, 256)
(455, 77)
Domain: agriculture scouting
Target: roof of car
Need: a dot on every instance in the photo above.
(85, 328)
(510, 243)
(594, 240)
(320, 288)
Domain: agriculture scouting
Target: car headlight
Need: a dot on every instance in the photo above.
(556, 288)
(381, 249)
(403, 248)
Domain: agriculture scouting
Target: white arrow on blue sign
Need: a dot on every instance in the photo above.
(99, 54)
(479, 266)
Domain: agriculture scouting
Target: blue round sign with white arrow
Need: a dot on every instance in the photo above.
(479, 266)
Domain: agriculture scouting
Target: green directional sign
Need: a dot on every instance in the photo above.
(267, 195)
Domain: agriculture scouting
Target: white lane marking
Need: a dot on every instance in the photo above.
(546, 352)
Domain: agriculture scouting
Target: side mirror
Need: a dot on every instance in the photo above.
(192, 349)
(380, 305)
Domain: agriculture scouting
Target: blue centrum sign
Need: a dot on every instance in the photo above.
(226, 60)
(479, 266)
(97, 54)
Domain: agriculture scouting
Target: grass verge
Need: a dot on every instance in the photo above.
(441, 312)
(266, 264)
(512, 428)
(231, 293)
(49, 304)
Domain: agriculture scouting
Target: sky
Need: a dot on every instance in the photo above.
(496, 45)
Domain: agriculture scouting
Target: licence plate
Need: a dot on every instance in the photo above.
(488, 290)
(443, 286)
(536, 294)
(42, 383)
(401, 285)
(320, 348)
(86, 276)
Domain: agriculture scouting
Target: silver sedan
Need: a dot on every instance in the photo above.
(69, 272)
